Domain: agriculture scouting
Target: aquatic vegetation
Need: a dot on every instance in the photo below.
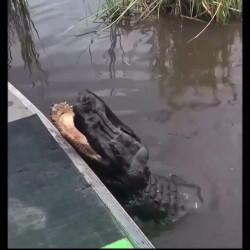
(220, 11)
(21, 26)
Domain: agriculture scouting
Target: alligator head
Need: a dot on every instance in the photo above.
(120, 149)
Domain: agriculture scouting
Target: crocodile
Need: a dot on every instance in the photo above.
(119, 158)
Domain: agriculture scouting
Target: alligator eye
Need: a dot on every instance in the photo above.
(85, 100)
(84, 103)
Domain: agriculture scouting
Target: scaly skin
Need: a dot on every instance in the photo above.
(169, 198)
(117, 144)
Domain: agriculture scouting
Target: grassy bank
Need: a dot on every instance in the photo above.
(221, 10)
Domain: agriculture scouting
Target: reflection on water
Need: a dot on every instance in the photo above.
(188, 75)
(21, 25)
(185, 71)
(113, 40)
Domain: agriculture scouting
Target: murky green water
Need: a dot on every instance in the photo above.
(183, 100)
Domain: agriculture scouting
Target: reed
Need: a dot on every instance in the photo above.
(21, 27)
(221, 10)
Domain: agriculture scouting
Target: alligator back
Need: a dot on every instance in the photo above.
(115, 120)
(169, 198)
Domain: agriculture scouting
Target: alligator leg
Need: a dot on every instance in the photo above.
(136, 173)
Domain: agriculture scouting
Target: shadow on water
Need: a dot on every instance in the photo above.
(117, 32)
(20, 25)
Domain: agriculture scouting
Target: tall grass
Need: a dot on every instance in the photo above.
(225, 9)
(219, 10)
(20, 25)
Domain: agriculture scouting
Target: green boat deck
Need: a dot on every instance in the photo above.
(54, 198)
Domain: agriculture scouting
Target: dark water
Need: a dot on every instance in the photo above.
(183, 100)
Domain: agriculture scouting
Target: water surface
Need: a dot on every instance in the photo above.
(184, 100)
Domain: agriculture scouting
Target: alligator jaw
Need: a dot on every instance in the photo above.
(62, 117)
